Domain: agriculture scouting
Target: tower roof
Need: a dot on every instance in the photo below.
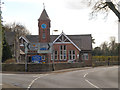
(44, 15)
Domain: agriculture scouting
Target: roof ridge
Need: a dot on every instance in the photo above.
(44, 15)
(79, 34)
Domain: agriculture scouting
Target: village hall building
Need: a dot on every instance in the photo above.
(65, 48)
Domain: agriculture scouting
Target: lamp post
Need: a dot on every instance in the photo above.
(54, 31)
(53, 65)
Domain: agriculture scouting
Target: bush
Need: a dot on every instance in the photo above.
(104, 58)
(10, 61)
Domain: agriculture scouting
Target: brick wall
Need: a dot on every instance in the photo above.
(39, 67)
(48, 67)
(68, 47)
(46, 31)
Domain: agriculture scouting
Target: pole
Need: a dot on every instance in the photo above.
(119, 35)
(26, 50)
(53, 66)
(26, 62)
(1, 38)
(119, 46)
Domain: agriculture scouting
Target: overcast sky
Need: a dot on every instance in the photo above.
(69, 16)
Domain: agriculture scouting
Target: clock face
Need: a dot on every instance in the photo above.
(43, 26)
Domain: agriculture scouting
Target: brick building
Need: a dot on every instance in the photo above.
(66, 48)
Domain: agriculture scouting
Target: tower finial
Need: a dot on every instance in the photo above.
(43, 6)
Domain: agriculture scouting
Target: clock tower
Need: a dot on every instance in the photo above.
(44, 27)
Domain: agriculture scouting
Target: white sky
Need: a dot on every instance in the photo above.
(66, 15)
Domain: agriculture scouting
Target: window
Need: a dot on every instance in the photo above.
(43, 35)
(21, 42)
(71, 55)
(61, 47)
(56, 55)
(64, 55)
(64, 47)
(85, 56)
(43, 57)
(63, 52)
(61, 55)
(52, 56)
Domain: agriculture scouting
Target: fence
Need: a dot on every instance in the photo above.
(104, 60)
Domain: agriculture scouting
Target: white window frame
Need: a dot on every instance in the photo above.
(56, 55)
(85, 56)
(61, 55)
(63, 52)
(71, 55)
(51, 56)
(43, 57)
(43, 35)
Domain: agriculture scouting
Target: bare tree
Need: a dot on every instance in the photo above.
(104, 48)
(19, 30)
(113, 46)
(104, 6)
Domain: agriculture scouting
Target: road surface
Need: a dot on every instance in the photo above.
(99, 77)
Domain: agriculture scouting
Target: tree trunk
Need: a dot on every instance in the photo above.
(112, 7)
(17, 48)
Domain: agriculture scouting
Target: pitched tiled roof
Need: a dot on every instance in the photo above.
(44, 16)
(84, 42)
(33, 38)
(10, 37)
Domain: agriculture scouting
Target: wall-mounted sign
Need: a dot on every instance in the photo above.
(34, 46)
(39, 47)
(45, 48)
(36, 59)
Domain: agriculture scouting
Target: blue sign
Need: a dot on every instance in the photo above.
(36, 59)
(43, 49)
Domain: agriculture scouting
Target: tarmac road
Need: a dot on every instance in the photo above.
(100, 77)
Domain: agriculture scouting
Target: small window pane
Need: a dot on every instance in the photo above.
(51, 56)
(56, 55)
(70, 57)
(69, 52)
(55, 52)
(43, 36)
(61, 52)
(73, 56)
(85, 56)
(61, 47)
(73, 52)
(64, 47)
(43, 57)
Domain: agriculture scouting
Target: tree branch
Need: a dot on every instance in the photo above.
(112, 7)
